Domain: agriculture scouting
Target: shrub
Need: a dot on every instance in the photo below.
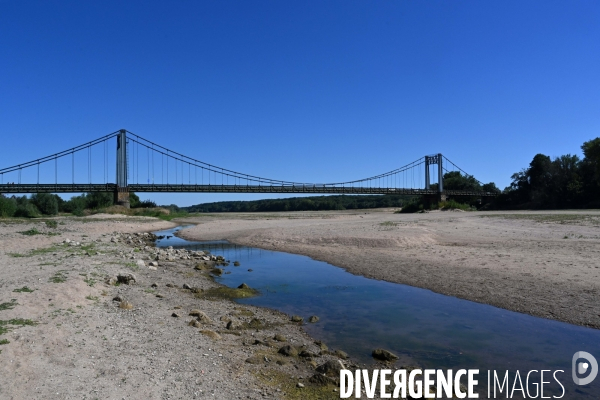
(27, 210)
(7, 207)
(46, 203)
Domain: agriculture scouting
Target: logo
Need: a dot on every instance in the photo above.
(582, 367)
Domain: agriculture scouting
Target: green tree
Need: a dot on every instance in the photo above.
(7, 207)
(46, 203)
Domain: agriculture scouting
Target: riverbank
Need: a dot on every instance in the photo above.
(74, 324)
(545, 264)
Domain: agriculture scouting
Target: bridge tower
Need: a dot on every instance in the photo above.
(431, 160)
(122, 190)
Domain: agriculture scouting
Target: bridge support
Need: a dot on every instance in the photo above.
(430, 160)
(122, 190)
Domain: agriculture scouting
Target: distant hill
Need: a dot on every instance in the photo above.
(313, 203)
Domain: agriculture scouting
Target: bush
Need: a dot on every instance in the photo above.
(7, 207)
(27, 210)
(46, 203)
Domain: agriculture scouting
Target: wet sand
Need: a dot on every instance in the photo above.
(545, 264)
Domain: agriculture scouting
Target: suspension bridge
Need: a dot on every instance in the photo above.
(140, 165)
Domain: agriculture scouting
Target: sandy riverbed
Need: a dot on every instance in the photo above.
(545, 264)
(68, 339)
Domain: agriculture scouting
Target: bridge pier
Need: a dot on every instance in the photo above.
(122, 197)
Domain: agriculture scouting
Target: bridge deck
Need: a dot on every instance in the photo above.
(315, 189)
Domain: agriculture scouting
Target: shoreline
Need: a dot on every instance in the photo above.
(537, 263)
(74, 332)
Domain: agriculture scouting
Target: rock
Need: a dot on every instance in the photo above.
(297, 318)
(152, 268)
(186, 286)
(321, 380)
(341, 354)
(196, 290)
(306, 354)
(195, 323)
(175, 315)
(322, 346)
(126, 278)
(200, 316)
(231, 325)
(125, 305)
(243, 286)
(154, 285)
(236, 263)
(384, 355)
(313, 319)
(211, 334)
(111, 280)
(160, 296)
(331, 368)
(217, 271)
(67, 240)
(140, 263)
(288, 351)
(153, 264)
(118, 298)
(280, 338)
(170, 285)
(250, 270)
(300, 385)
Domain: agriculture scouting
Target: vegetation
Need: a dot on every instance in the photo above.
(24, 289)
(313, 203)
(564, 182)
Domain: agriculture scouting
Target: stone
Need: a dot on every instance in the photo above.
(111, 280)
(126, 278)
(243, 286)
(186, 286)
(153, 264)
(313, 319)
(160, 296)
(306, 354)
(236, 263)
(152, 268)
(321, 380)
(280, 338)
(118, 298)
(322, 346)
(140, 263)
(384, 355)
(154, 285)
(170, 285)
(211, 334)
(175, 315)
(195, 323)
(300, 385)
(200, 316)
(331, 368)
(232, 325)
(217, 271)
(297, 318)
(288, 351)
(341, 354)
(250, 270)
(125, 305)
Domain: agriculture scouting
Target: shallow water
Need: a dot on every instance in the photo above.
(425, 328)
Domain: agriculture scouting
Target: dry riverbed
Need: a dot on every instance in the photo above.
(74, 325)
(545, 264)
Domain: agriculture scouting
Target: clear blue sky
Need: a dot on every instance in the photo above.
(305, 91)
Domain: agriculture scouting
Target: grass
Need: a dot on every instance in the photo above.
(31, 232)
(36, 252)
(389, 223)
(58, 277)
(14, 322)
(92, 298)
(4, 341)
(24, 289)
(8, 306)
(90, 282)
(227, 293)
(52, 224)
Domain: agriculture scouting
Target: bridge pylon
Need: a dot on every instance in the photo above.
(122, 189)
(432, 160)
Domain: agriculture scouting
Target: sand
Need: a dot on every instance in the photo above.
(545, 264)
